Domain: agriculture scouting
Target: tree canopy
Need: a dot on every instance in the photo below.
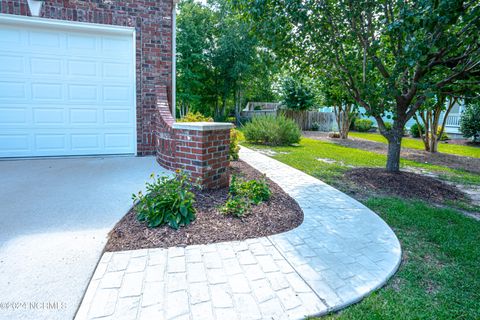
(220, 62)
(389, 56)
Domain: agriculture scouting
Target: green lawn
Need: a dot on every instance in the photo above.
(305, 157)
(439, 276)
(455, 149)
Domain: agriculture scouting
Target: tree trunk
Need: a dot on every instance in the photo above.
(451, 103)
(393, 156)
(238, 104)
(343, 118)
(394, 137)
(433, 143)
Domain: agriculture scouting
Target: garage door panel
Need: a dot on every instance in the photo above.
(117, 140)
(116, 45)
(82, 142)
(44, 39)
(12, 90)
(117, 94)
(81, 43)
(117, 71)
(66, 93)
(10, 36)
(50, 142)
(84, 116)
(47, 91)
(49, 116)
(15, 144)
(11, 65)
(13, 116)
(82, 68)
(46, 66)
(82, 93)
(59, 143)
(117, 116)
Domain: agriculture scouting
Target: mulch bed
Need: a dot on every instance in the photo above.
(281, 213)
(404, 184)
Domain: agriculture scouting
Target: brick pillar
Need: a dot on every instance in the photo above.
(202, 149)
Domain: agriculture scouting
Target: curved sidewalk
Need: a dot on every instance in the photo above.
(340, 253)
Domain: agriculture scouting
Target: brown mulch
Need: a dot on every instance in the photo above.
(404, 184)
(281, 213)
(442, 159)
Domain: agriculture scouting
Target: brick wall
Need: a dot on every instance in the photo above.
(205, 154)
(191, 147)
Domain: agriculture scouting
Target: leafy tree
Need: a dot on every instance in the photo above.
(440, 105)
(220, 62)
(233, 59)
(405, 50)
(297, 95)
(343, 105)
(195, 37)
(470, 121)
(429, 116)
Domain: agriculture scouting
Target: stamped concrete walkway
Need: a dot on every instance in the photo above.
(341, 253)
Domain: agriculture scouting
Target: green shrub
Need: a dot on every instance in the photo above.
(234, 148)
(444, 136)
(195, 117)
(415, 131)
(363, 125)
(272, 130)
(315, 126)
(168, 201)
(243, 194)
(232, 119)
(255, 191)
(297, 95)
(470, 121)
(389, 127)
(236, 206)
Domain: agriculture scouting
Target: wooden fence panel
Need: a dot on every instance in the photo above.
(306, 119)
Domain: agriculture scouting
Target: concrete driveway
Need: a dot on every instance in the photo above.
(55, 215)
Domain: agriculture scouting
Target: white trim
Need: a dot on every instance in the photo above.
(174, 60)
(134, 57)
(11, 19)
(35, 7)
(202, 126)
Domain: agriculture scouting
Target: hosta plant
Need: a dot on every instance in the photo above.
(168, 200)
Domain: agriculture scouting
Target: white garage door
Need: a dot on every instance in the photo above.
(65, 89)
